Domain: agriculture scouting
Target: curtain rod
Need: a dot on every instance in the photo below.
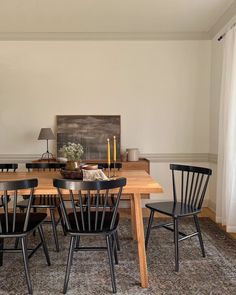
(222, 36)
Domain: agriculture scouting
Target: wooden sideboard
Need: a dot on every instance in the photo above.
(142, 164)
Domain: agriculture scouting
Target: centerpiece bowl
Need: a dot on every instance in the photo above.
(77, 173)
(72, 174)
(72, 152)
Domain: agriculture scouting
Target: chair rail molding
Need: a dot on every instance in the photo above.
(152, 157)
(19, 158)
(180, 157)
(213, 158)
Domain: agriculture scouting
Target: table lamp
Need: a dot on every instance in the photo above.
(46, 134)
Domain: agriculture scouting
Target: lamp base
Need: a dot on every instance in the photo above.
(47, 156)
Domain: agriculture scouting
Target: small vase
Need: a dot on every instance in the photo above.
(72, 165)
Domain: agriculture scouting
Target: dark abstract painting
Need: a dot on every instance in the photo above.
(91, 132)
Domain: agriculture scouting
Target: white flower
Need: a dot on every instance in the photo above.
(72, 151)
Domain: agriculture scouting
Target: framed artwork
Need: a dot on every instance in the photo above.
(91, 132)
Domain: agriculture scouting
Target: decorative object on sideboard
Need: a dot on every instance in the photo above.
(90, 167)
(90, 131)
(109, 157)
(73, 152)
(46, 134)
(62, 159)
(133, 154)
(114, 155)
(124, 157)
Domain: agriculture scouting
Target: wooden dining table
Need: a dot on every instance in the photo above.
(139, 183)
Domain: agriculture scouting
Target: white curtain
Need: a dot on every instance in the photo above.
(226, 173)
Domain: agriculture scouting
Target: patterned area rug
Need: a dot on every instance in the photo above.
(215, 274)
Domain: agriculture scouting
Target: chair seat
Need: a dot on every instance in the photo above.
(42, 201)
(106, 227)
(35, 219)
(173, 209)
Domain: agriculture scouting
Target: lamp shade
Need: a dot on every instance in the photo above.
(46, 133)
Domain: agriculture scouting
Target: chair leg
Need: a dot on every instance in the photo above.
(26, 264)
(16, 243)
(61, 219)
(114, 247)
(117, 241)
(1, 253)
(54, 228)
(149, 227)
(199, 234)
(176, 240)
(111, 263)
(35, 211)
(45, 248)
(77, 241)
(69, 263)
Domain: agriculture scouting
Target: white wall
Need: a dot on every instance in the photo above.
(160, 88)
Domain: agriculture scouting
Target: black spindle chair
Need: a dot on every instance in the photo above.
(50, 202)
(113, 165)
(192, 184)
(17, 225)
(104, 166)
(87, 220)
(44, 166)
(8, 167)
(111, 200)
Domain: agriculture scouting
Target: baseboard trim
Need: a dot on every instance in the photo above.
(231, 229)
(211, 205)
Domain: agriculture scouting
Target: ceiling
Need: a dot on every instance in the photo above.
(110, 16)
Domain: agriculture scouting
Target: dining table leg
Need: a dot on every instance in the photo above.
(133, 224)
(140, 240)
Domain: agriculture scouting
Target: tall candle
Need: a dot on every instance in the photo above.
(114, 152)
(108, 152)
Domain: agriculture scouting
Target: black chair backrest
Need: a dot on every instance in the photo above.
(192, 183)
(44, 166)
(112, 165)
(9, 225)
(8, 167)
(92, 218)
